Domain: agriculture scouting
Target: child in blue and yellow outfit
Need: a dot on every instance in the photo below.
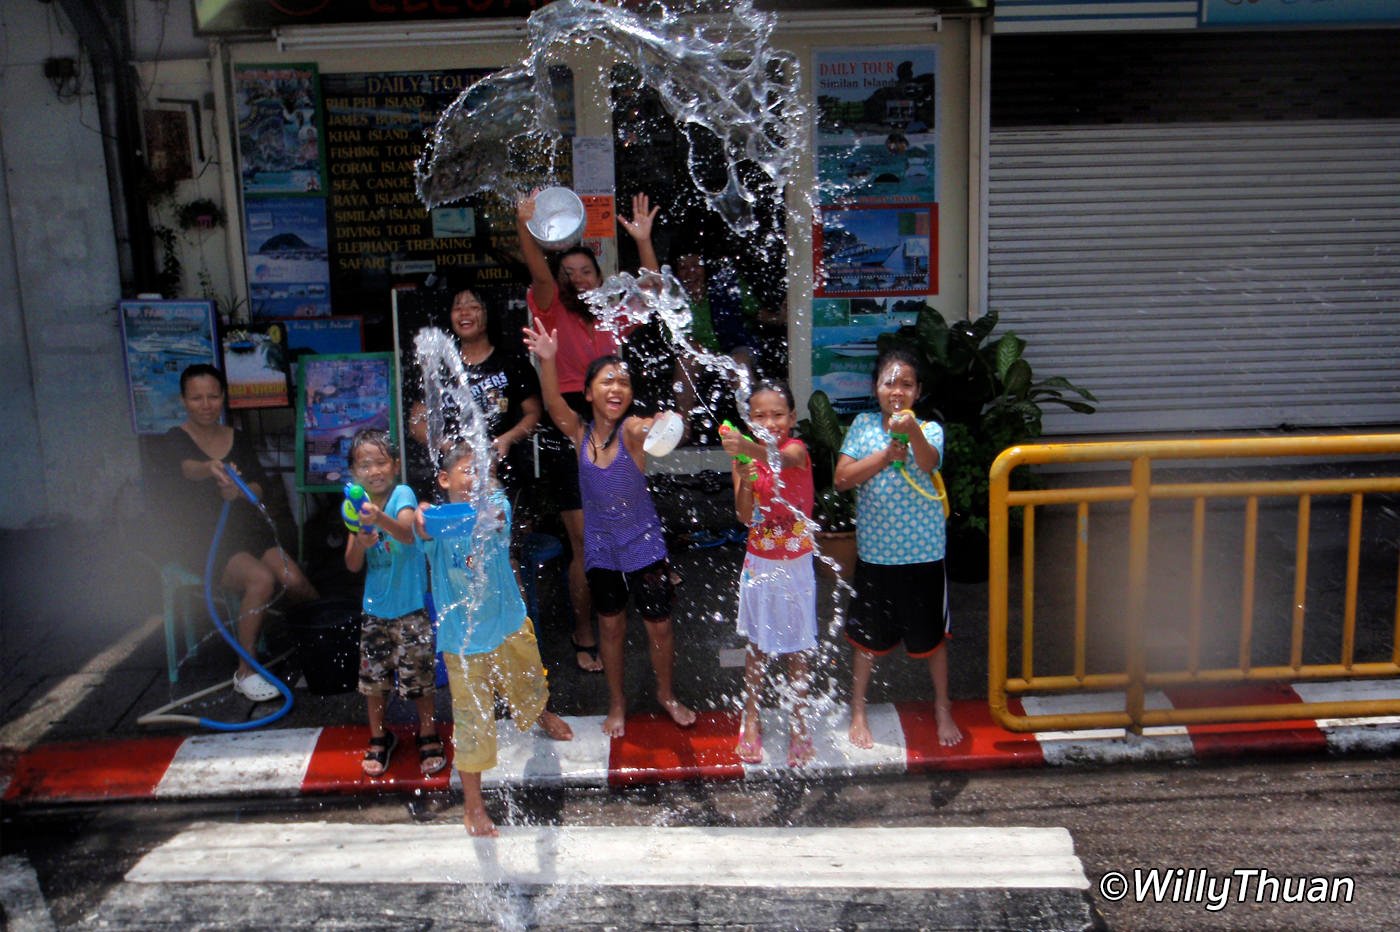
(487, 641)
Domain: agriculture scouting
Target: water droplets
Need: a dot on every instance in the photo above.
(717, 77)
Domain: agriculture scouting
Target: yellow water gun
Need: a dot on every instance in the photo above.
(940, 491)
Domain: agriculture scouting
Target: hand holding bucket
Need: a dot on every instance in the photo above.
(454, 519)
(558, 220)
(666, 431)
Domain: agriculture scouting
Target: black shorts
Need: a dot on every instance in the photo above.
(649, 587)
(905, 602)
(558, 483)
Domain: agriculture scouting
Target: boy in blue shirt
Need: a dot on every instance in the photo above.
(487, 642)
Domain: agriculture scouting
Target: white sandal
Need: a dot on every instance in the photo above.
(255, 687)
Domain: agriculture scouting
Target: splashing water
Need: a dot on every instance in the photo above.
(446, 387)
(713, 73)
(717, 78)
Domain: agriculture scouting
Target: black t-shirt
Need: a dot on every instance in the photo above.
(499, 385)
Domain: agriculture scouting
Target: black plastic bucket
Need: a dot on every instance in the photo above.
(327, 636)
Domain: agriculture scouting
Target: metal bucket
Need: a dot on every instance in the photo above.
(558, 220)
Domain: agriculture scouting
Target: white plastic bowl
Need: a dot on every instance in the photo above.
(558, 220)
(666, 432)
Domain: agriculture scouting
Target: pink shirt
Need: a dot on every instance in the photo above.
(580, 342)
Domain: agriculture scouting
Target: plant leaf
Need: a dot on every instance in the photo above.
(1008, 353)
(827, 428)
(1016, 377)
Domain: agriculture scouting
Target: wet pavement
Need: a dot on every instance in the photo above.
(84, 657)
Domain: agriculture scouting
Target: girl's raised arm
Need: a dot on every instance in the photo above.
(545, 344)
(541, 278)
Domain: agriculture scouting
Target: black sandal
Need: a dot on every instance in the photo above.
(381, 750)
(429, 747)
(592, 652)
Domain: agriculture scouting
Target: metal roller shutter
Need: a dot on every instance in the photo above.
(1227, 275)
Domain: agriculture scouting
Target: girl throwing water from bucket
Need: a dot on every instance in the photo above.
(623, 545)
(900, 584)
(554, 298)
(777, 588)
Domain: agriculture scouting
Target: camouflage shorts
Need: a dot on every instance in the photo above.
(397, 645)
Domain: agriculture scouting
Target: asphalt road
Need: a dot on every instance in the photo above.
(1254, 832)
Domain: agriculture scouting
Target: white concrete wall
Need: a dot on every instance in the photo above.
(63, 400)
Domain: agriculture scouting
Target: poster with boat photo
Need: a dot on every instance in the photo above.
(877, 125)
(876, 251)
(257, 362)
(289, 272)
(160, 339)
(845, 332)
(336, 397)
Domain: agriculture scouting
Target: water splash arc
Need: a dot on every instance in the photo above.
(715, 73)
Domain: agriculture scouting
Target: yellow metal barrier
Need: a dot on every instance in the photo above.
(1134, 678)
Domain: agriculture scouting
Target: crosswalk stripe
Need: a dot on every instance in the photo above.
(911, 858)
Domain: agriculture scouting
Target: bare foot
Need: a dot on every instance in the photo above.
(478, 823)
(948, 732)
(801, 751)
(860, 733)
(555, 727)
(616, 723)
(680, 714)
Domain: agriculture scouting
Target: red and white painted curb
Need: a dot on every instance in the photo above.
(311, 761)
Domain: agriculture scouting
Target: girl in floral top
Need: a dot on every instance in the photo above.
(777, 589)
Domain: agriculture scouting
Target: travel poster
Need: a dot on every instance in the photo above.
(279, 129)
(160, 339)
(336, 397)
(288, 275)
(874, 251)
(845, 332)
(877, 125)
(257, 362)
(326, 335)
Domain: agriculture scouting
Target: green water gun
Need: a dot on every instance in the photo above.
(739, 458)
(355, 498)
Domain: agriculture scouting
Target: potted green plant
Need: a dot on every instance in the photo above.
(823, 431)
(985, 395)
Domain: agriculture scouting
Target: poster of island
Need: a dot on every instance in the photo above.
(279, 129)
(288, 275)
(877, 125)
(160, 339)
(336, 397)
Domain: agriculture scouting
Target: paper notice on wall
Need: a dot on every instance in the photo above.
(593, 182)
(593, 165)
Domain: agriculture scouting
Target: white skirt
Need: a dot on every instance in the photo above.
(778, 604)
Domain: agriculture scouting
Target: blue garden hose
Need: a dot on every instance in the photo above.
(161, 715)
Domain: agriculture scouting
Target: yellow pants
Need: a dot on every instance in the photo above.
(514, 672)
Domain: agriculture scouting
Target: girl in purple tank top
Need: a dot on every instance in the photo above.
(624, 551)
